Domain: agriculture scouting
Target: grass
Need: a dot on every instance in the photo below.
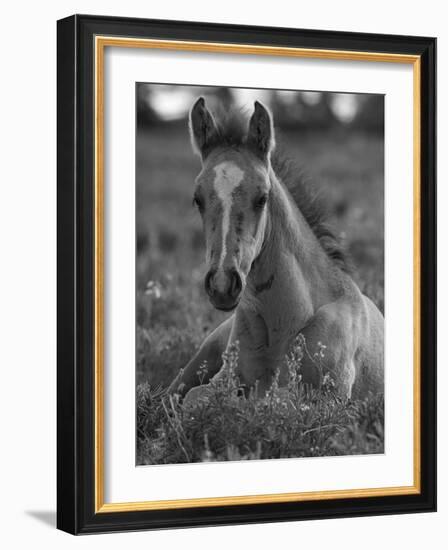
(223, 424)
(174, 316)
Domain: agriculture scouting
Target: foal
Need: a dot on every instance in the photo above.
(275, 267)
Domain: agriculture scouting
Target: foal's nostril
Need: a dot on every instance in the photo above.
(235, 283)
(222, 286)
(208, 282)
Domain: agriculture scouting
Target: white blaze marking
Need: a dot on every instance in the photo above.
(228, 178)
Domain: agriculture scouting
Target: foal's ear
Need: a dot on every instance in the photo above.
(260, 138)
(203, 130)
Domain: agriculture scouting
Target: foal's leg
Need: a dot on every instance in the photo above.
(210, 352)
(334, 327)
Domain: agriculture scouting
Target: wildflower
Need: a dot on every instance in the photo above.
(272, 392)
(328, 382)
(229, 379)
(153, 289)
(202, 371)
(320, 353)
(294, 361)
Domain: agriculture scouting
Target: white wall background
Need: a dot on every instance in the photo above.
(28, 267)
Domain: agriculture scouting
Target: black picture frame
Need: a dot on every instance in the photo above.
(76, 270)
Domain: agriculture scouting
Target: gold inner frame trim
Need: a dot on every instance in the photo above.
(101, 42)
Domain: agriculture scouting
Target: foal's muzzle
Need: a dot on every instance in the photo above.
(224, 288)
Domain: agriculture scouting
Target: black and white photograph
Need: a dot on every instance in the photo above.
(222, 285)
(259, 274)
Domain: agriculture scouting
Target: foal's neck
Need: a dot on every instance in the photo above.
(293, 276)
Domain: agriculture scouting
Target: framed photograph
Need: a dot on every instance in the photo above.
(246, 274)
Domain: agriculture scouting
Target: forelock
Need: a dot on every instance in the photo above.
(231, 128)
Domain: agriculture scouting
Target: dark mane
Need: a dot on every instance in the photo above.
(314, 208)
(232, 130)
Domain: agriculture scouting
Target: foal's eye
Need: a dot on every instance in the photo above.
(261, 201)
(197, 201)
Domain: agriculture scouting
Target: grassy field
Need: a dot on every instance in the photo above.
(174, 316)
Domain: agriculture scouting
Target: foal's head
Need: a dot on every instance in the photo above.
(231, 194)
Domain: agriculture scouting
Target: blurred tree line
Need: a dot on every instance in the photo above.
(292, 110)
